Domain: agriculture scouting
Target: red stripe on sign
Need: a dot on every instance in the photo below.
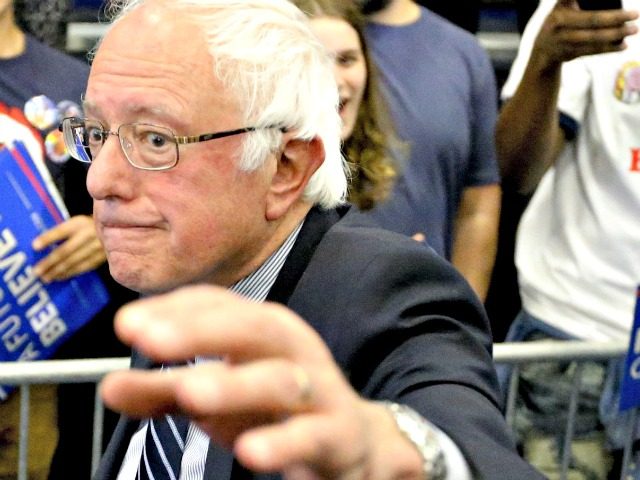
(37, 186)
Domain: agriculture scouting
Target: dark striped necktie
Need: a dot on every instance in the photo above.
(163, 448)
(163, 445)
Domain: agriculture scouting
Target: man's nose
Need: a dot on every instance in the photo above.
(110, 173)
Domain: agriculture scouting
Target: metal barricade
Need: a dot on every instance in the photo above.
(521, 353)
(25, 374)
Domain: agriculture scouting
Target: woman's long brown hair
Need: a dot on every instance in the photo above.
(369, 148)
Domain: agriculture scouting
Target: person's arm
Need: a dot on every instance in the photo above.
(476, 218)
(277, 399)
(282, 404)
(528, 133)
(476, 235)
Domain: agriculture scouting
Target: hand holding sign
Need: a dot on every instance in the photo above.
(79, 251)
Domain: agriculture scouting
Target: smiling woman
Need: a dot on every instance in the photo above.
(367, 131)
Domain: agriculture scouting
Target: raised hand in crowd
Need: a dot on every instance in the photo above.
(528, 133)
(569, 32)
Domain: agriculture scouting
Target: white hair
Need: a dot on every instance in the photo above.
(266, 55)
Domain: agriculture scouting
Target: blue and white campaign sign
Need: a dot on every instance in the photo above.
(630, 393)
(35, 318)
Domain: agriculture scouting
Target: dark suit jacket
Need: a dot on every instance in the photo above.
(402, 324)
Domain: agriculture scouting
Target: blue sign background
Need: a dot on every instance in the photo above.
(26, 211)
(630, 393)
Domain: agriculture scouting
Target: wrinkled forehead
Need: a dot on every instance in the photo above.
(155, 58)
(156, 33)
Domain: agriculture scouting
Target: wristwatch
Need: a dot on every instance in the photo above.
(423, 436)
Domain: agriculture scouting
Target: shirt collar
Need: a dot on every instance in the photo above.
(256, 285)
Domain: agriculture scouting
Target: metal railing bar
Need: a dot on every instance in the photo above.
(78, 371)
(512, 395)
(571, 418)
(59, 371)
(23, 443)
(98, 422)
(628, 446)
(545, 350)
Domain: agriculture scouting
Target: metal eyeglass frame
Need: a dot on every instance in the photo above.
(70, 140)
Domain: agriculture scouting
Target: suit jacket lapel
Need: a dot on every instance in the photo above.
(315, 226)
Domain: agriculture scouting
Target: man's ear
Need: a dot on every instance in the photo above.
(297, 162)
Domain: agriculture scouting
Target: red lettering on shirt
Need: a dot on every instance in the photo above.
(635, 160)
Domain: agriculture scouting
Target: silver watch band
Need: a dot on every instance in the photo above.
(422, 435)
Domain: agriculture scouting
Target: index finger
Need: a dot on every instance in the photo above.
(53, 235)
(210, 321)
(63, 230)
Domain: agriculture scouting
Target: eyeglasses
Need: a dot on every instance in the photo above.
(146, 146)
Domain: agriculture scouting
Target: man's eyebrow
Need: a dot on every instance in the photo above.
(349, 51)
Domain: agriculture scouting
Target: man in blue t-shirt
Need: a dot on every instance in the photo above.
(442, 95)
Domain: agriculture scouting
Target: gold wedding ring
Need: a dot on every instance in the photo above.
(305, 389)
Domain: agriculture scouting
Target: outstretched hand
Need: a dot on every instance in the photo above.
(79, 251)
(275, 396)
(569, 32)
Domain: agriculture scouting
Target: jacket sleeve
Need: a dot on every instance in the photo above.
(405, 326)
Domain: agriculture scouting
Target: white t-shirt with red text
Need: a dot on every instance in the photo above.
(578, 243)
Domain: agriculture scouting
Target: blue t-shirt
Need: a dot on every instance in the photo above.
(442, 96)
(43, 70)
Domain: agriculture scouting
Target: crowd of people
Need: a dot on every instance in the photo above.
(295, 205)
